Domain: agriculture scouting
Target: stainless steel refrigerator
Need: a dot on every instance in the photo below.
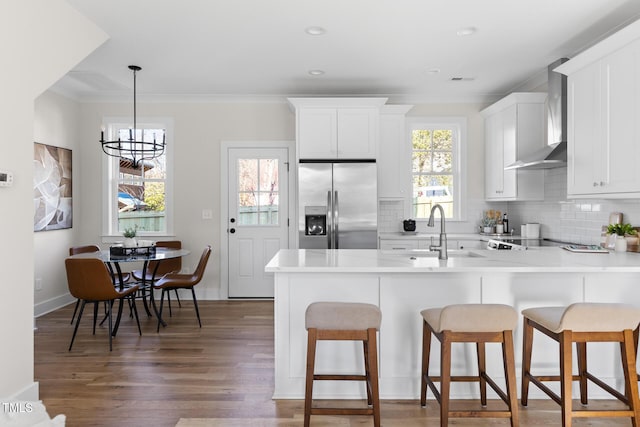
(338, 206)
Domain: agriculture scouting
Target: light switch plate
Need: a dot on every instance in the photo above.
(207, 214)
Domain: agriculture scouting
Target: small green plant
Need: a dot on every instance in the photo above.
(130, 232)
(487, 222)
(621, 229)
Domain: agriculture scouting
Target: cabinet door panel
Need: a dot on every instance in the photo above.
(357, 132)
(584, 131)
(494, 141)
(317, 137)
(509, 150)
(621, 122)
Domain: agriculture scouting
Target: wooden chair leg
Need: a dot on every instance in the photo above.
(482, 370)
(566, 377)
(367, 371)
(445, 378)
(311, 357)
(426, 352)
(581, 355)
(373, 374)
(628, 354)
(527, 347)
(509, 361)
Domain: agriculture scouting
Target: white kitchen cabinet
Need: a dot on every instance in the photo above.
(603, 135)
(514, 128)
(394, 158)
(337, 128)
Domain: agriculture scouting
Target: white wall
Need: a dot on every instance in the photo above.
(39, 42)
(56, 121)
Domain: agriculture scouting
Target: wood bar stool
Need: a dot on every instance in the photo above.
(582, 323)
(343, 321)
(481, 324)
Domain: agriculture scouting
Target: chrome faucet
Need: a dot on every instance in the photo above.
(442, 247)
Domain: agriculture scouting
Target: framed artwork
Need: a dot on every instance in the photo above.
(53, 207)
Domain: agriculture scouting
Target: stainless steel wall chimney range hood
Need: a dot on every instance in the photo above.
(553, 155)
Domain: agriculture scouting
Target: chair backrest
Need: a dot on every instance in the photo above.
(83, 249)
(89, 279)
(171, 265)
(197, 275)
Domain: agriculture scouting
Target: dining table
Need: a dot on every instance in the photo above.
(113, 259)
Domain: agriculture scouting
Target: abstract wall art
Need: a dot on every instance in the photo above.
(52, 202)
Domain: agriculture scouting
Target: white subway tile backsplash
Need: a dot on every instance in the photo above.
(576, 221)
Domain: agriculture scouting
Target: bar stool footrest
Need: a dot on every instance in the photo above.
(341, 411)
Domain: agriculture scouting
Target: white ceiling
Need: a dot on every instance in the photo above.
(258, 48)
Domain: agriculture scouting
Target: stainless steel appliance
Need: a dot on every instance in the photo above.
(337, 204)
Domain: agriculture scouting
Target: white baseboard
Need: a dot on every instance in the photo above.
(52, 304)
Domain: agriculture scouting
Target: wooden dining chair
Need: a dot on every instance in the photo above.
(157, 269)
(89, 280)
(172, 281)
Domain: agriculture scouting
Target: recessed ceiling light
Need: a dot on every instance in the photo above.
(316, 72)
(462, 32)
(315, 31)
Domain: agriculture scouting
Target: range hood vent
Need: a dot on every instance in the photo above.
(553, 155)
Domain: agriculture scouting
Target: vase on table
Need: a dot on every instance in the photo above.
(130, 242)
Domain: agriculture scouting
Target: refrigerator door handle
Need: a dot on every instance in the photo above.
(329, 221)
(336, 219)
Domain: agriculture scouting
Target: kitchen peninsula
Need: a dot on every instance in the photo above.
(402, 283)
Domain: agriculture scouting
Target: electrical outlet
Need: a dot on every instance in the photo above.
(38, 284)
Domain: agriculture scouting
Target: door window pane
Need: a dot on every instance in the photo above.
(258, 192)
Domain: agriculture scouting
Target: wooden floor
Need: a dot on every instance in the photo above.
(220, 375)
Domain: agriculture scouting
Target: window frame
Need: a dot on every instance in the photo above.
(459, 162)
(110, 168)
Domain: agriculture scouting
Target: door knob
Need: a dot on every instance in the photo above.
(232, 230)
(232, 220)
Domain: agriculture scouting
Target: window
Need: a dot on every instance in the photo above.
(258, 193)
(435, 168)
(139, 197)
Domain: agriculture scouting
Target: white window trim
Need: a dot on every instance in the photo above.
(110, 232)
(459, 163)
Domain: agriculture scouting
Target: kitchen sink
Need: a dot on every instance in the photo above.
(418, 253)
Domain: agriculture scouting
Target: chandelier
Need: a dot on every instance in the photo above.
(131, 149)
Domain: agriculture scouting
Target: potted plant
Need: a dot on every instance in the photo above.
(487, 224)
(129, 234)
(622, 231)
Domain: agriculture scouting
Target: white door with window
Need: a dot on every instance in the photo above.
(258, 217)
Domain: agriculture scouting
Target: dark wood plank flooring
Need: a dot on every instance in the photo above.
(220, 375)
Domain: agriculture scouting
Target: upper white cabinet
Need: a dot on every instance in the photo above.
(514, 127)
(337, 128)
(603, 118)
(394, 156)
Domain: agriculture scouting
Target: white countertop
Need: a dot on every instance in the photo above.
(533, 260)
